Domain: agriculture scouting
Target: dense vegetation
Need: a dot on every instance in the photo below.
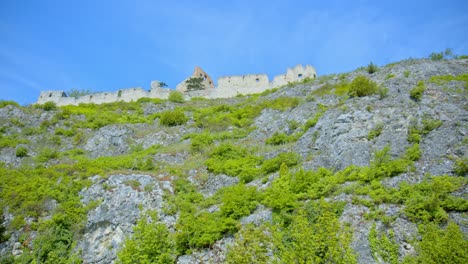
(41, 191)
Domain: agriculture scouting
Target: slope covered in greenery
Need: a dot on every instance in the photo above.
(350, 168)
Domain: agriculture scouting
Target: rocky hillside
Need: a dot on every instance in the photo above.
(347, 168)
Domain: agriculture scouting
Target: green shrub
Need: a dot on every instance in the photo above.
(250, 246)
(234, 161)
(314, 235)
(48, 106)
(417, 92)
(406, 73)
(279, 195)
(371, 68)
(176, 97)
(375, 132)
(4, 103)
(440, 245)
(383, 92)
(11, 141)
(21, 152)
(383, 246)
(200, 141)
(362, 86)
(389, 76)
(238, 201)
(272, 165)
(430, 199)
(201, 230)
(413, 153)
(64, 132)
(435, 56)
(461, 167)
(429, 125)
(278, 138)
(173, 118)
(151, 243)
(282, 103)
(47, 154)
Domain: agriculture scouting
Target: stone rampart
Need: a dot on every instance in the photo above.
(228, 86)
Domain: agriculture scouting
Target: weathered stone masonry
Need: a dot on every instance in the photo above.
(228, 86)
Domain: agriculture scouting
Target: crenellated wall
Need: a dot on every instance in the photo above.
(228, 86)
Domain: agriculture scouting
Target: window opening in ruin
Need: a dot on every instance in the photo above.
(50, 95)
(299, 75)
(257, 80)
(315, 75)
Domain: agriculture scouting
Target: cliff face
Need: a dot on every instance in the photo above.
(77, 179)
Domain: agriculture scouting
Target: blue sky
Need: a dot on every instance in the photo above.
(104, 45)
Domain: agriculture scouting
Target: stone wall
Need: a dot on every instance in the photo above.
(228, 86)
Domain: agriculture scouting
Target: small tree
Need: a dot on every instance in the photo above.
(195, 83)
(371, 68)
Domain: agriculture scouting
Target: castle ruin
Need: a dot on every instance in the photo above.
(228, 86)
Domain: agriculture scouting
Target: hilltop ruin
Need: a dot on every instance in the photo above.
(228, 86)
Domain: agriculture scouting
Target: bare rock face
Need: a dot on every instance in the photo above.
(119, 199)
(109, 141)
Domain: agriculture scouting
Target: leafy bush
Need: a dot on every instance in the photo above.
(429, 200)
(389, 76)
(314, 235)
(383, 92)
(417, 92)
(282, 103)
(461, 167)
(4, 103)
(11, 141)
(201, 230)
(371, 68)
(435, 56)
(375, 132)
(234, 161)
(440, 245)
(279, 196)
(47, 154)
(21, 152)
(238, 201)
(406, 73)
(64, 132)
(151, 243)
(176, 97)
(362, 86)
(49, 106)
(200, 141)
(383, 246)
(274, 164)
(278, 138)
(415, 131)
(413, 153)
(173, 118)
(250, 246)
